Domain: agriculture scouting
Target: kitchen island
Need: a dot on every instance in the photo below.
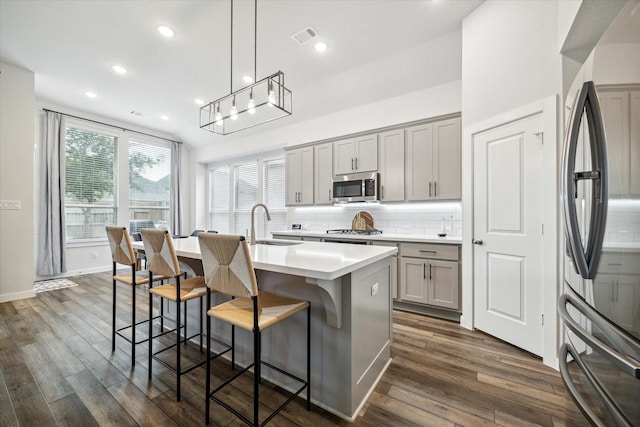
(351, 316)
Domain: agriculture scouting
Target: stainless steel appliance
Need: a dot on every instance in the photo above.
(360, 187)
(600, 306)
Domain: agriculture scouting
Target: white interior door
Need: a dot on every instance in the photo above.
(508, 232)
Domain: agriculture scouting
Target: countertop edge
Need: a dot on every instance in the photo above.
(376, 237)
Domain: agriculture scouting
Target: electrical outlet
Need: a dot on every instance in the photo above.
(94, 255)
(374, 289)
(10, 204)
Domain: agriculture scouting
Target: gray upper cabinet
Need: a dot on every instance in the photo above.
(299, 176)
(621, 113)
(391, 159)
(323, 173)
(355, 155)
(433, 161)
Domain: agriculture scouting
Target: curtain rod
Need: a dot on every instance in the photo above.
(113, 126)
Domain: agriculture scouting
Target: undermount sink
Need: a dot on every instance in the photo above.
(277, 243)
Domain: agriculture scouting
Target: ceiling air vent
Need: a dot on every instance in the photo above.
(305, 35)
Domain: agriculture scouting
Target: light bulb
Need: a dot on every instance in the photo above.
(251, 106)
(234, 111)
(272, 95)
(219, 121)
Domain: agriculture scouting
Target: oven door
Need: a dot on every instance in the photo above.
(600, 365)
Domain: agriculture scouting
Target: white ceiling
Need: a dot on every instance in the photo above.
(71, 46)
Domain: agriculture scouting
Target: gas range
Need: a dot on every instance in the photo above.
(351, 231)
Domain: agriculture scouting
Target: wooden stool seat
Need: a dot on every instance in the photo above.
(193, 287)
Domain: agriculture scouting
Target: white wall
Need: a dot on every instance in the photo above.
(510, 59)
(421, 104)
(17, 127)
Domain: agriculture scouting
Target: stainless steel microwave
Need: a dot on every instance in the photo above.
(360, 187)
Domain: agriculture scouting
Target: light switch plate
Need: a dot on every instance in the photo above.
(374, 289)
(10, 204)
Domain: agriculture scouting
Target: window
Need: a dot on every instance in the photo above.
(274, 196)
(245, 185)
(97, 164)
(219, 200)
(235, 189)
(90, 183)
(149, 185)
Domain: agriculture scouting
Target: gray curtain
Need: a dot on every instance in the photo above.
(51, 225)
(175, 201)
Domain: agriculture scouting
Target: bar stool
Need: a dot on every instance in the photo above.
(122, 253)
(229, 270)
(162, 259)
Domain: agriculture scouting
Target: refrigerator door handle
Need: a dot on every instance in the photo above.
(615, 411)
(585, 259)
(629, 362)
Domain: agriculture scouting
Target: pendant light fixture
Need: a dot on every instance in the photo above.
(261, 102)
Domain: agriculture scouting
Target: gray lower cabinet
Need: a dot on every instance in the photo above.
(425, 278)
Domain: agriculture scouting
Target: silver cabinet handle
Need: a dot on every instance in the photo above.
(429, 188)
(435, 188)
(382, 191)
(329, 195)
(356, 163)
(477, 241)
(424, 271)
(352, 163)
(430, 277)
(427, 252)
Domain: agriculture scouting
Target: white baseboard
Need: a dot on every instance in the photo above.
(17, 295)
(76, 273)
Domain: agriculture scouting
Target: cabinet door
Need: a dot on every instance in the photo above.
(306, 176)
(419, 162)
(443, 284)
(323, 173)
(626, 304)
(344, 157)
(366, 153)
(391, 155)
(292, 170)
(615, 110)
(413, 280)
(447, 158)
(603, 294)
(634, 144)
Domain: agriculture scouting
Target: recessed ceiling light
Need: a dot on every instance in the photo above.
(166, 31)
(119, 69)
(198, 101)
(320, 46)
(164, 117)
(247, 79)
(90, 94)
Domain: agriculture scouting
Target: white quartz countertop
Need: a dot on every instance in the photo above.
(384, 237)
(326, 261)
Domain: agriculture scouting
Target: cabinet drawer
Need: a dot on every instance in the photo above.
(433, 251)
(619, 262)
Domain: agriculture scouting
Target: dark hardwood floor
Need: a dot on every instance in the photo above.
(57, 368)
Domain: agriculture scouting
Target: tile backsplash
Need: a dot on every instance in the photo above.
(410, 218)
(623, 221)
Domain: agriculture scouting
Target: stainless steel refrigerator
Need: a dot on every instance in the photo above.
(600, 306)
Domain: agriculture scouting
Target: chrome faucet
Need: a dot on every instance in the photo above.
(253, 223)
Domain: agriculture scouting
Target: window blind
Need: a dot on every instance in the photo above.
(90, 183)
(219, 200)
(245, 196)
(274, 196)
(149, 184)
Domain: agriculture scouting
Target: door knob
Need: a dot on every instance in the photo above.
(476, 241)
